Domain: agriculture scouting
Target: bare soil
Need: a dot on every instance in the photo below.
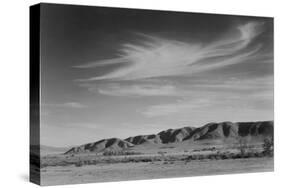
(151, 170)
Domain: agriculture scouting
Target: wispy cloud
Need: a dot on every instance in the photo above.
(66, 105)
(236, 84)
(218, 105)
(74, 105)
(175, 108)
(159, 57)
(233, 94)
(189, 88)
(141, 90)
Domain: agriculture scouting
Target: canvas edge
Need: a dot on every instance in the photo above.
(34, 89)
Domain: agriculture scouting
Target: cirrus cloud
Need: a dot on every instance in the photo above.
(160, 57)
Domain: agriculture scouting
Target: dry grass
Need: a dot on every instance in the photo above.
(151, 170)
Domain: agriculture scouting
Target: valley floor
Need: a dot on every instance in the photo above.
(54, 175)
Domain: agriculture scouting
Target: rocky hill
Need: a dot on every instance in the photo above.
(115, 144)
(210, 131)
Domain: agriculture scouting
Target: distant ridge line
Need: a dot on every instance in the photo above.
(208, 131)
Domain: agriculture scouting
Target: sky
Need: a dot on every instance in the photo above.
(109, 72)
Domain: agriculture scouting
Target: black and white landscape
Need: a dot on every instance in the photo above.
(132, 94)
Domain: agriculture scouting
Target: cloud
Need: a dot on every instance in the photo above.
(140, 90)
(237, 84)
(175, 108)
(73, 105)
(255, 94)
(159, 57)
(66, 105)
(185, 88)
(218, 105)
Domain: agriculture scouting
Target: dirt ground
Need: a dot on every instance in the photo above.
(151, 170)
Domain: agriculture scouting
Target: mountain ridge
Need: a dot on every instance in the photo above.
(210, 131)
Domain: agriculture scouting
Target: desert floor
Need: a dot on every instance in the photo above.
(53, 175)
